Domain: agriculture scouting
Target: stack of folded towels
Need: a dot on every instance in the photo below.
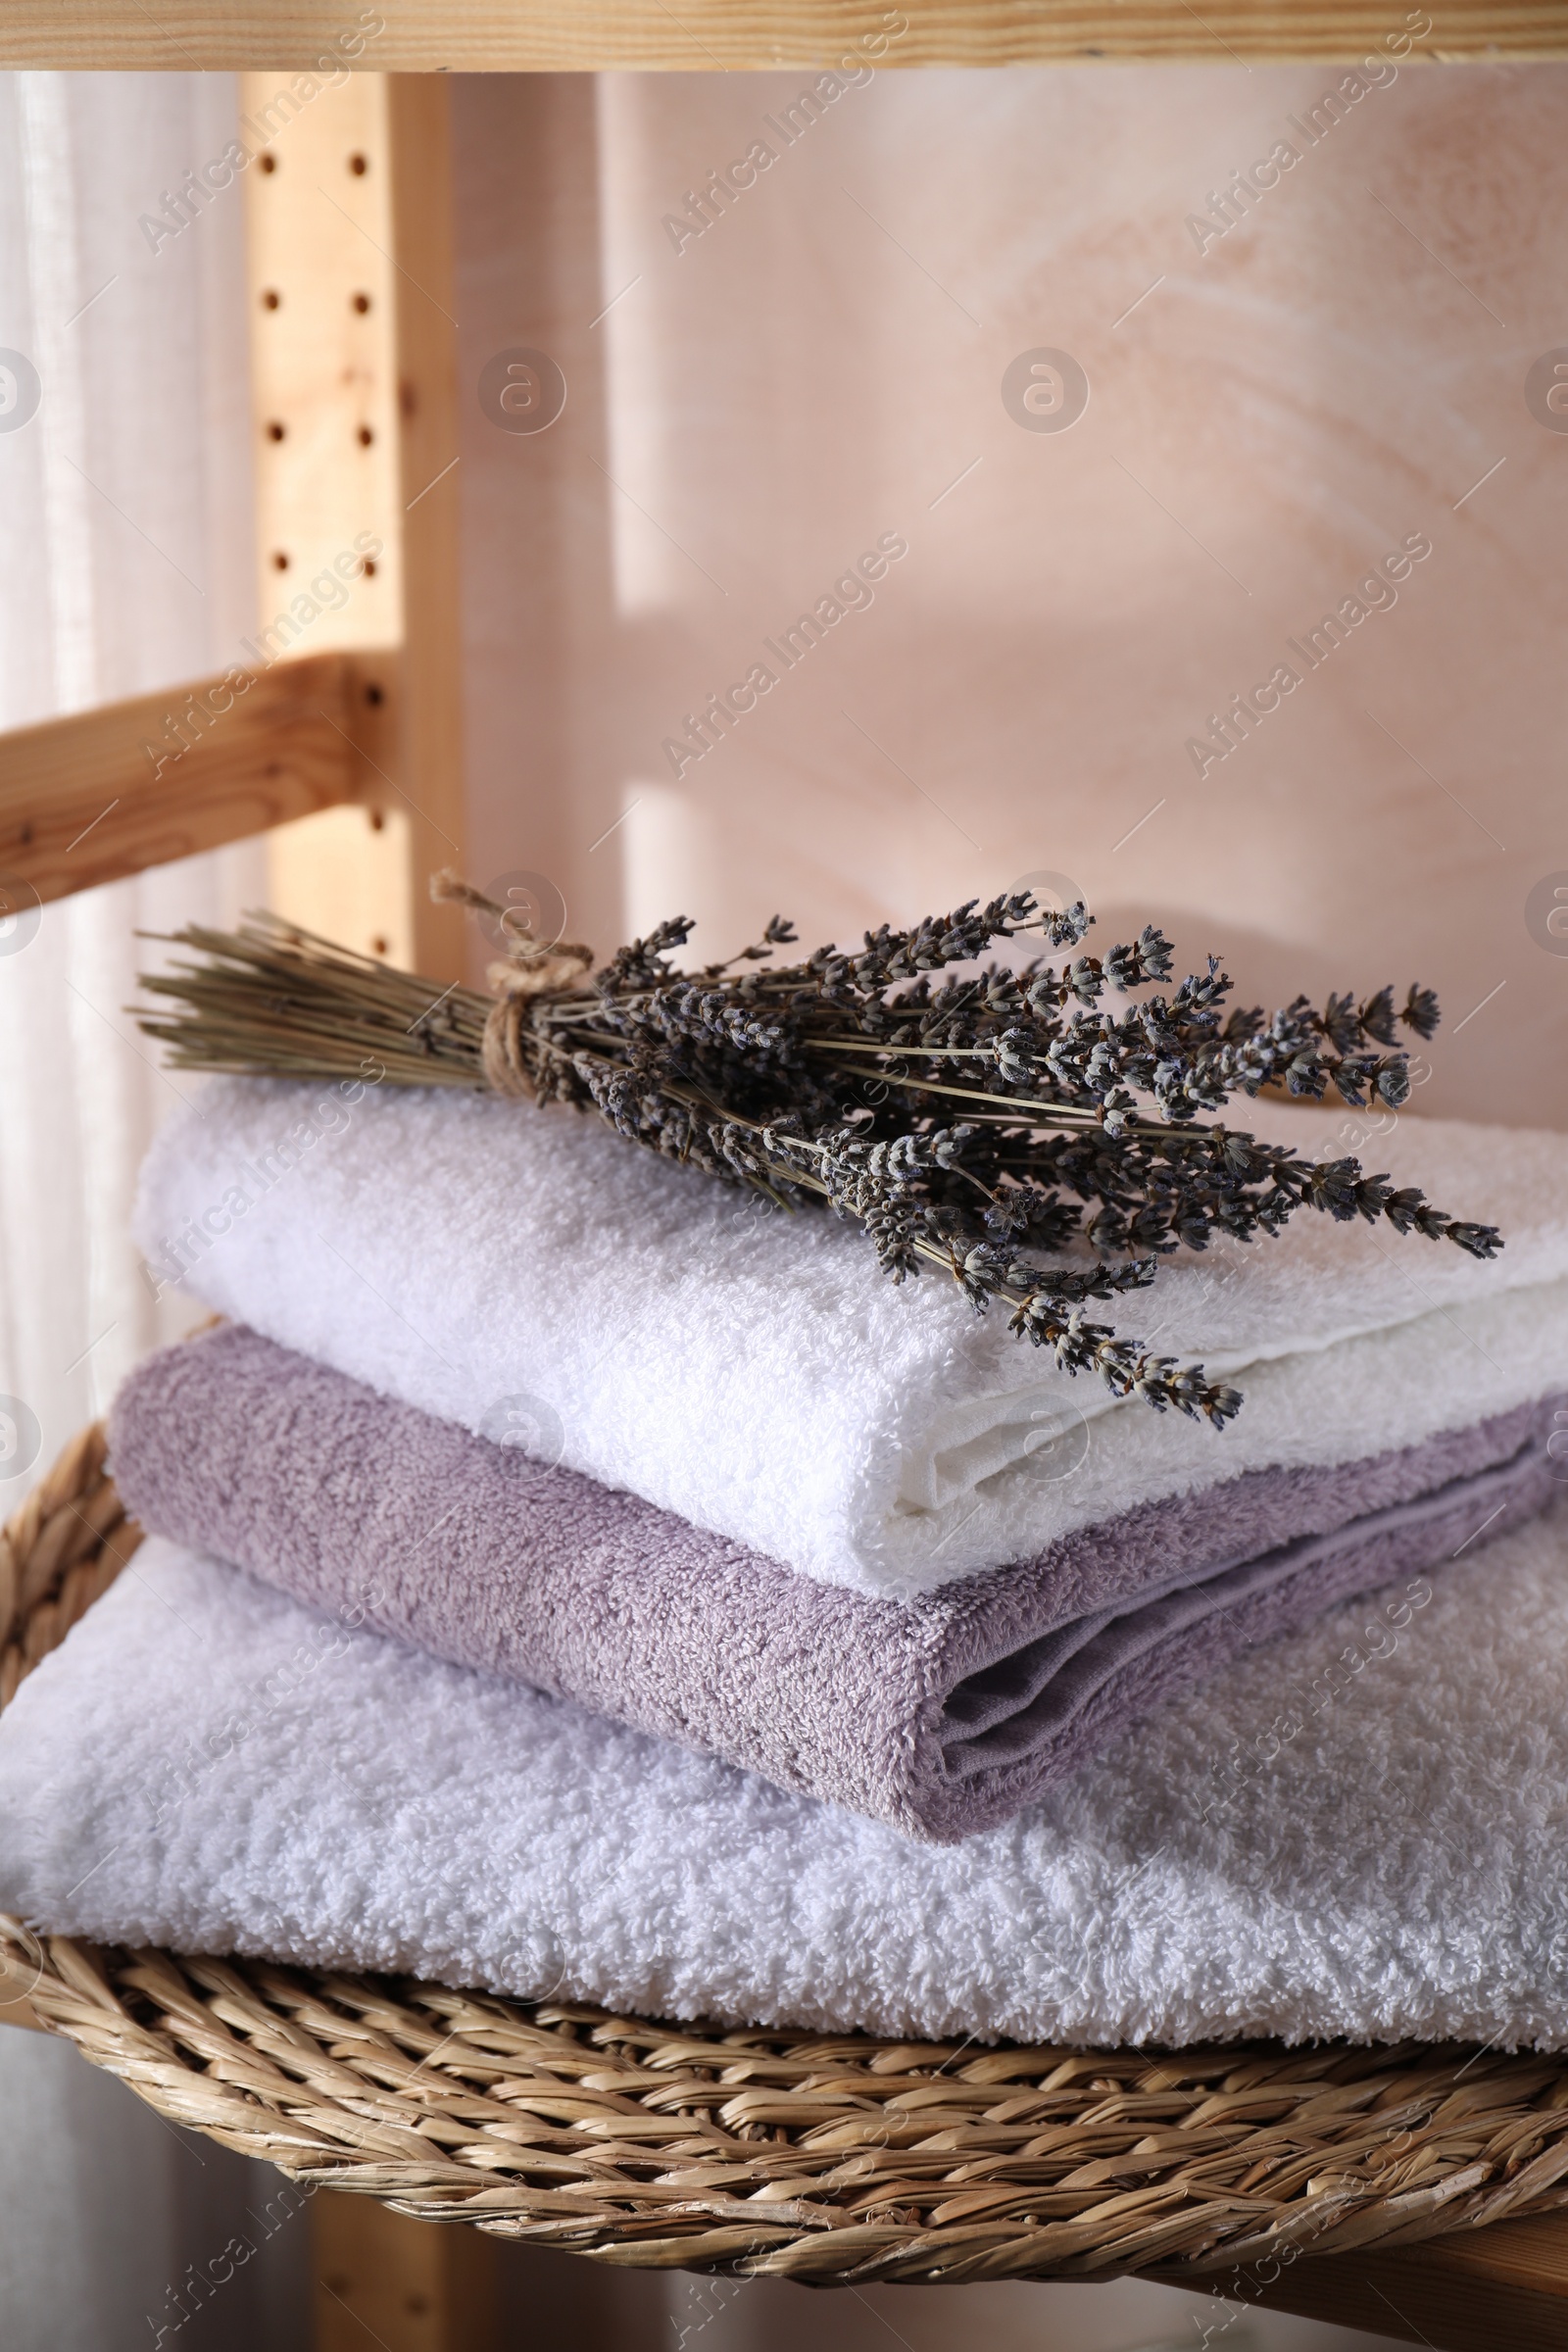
(565, 1579)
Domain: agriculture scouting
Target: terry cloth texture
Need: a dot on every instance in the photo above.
(1362, 1832)
(942, 1716)
(498, 1265)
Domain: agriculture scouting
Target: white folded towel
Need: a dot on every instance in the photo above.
(517, 1269)
(205, 1764)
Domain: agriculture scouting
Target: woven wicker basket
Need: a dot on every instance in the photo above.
(829, 2160)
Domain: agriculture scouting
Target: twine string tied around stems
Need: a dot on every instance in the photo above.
(530, 967)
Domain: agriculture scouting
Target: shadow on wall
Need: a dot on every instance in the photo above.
(1271, 414)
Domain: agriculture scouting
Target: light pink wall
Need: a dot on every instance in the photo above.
(1285, 407)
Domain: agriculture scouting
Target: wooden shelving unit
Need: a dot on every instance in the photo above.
(343, 740)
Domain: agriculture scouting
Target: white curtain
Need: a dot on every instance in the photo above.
(126, 565)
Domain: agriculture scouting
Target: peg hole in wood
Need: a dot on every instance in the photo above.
(359, 166)
(271, 299)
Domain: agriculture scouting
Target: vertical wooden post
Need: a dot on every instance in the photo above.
(353, 376)
(410, 2286)
(323, 430)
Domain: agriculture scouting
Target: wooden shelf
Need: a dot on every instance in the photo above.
(534, 36)
(1476, 2291)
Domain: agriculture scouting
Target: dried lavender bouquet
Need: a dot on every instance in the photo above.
(982, 1126)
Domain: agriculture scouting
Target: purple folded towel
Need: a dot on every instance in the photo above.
(942, 1715)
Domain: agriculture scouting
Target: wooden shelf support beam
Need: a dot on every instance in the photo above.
(110, 791)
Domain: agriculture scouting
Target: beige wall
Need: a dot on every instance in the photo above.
(1286, 405)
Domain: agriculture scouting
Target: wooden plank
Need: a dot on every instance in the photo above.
(1471, 2292)
(317, 226)
(323, 433)
(354, 394)
(410, 2286)
(285, 36)
(108, 792)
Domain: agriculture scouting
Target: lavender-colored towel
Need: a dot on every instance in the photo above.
(942, 1715)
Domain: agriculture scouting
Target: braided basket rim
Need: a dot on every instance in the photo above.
(833, 2160)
